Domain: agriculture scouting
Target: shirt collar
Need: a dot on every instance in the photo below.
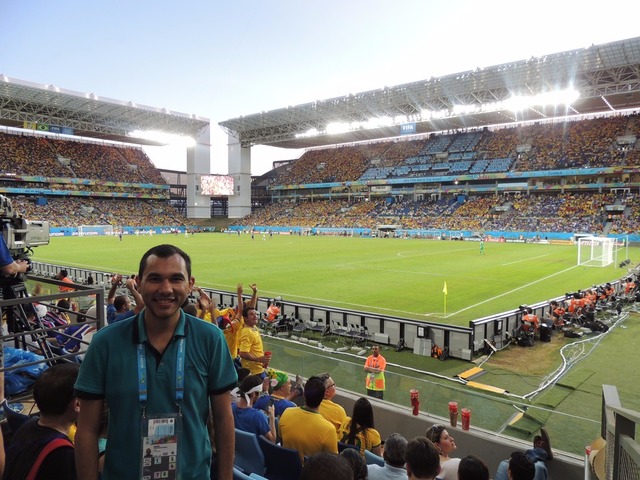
(140, 334)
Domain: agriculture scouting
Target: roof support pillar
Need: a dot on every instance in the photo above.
(198, 163)
(239, 167)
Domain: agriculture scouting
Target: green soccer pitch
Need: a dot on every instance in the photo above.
(403, 278)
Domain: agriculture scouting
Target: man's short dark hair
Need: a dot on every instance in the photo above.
(53, 390)
(246, 309)
(120, 302)
(394, 449)
(242, 374)
(321, 466)
(64, 272)
(521, 467)
(164, 251)
(313, 392)
(422, 458)
(472, 468)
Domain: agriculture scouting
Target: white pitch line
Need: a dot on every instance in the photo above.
(423, 253)
(512, 291)
(525, 259)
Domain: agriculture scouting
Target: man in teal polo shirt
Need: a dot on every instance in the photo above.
(158, 372)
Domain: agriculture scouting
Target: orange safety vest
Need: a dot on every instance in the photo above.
(375, 381)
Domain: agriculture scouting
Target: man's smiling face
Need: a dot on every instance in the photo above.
(164, 287)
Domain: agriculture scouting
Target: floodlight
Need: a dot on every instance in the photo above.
(312, 132)
(338, 127)
(559, 97)
(166, 138)
(379, 122)
(463, 109)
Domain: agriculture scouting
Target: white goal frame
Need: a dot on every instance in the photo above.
(596, 251)
(93, 230)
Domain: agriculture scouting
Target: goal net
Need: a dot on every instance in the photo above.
(93, 230)
(595, 251)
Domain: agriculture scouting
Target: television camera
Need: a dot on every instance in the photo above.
(20, 235)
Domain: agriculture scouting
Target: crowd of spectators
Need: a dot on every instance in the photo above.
(581, 144)
(561, 212)
(565, 212)
(68, 165)
(545, 146)
(575, 144)
(629, 221)
(76, 211)
(52, 157)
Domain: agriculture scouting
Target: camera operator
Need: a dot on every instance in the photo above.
(9, 266)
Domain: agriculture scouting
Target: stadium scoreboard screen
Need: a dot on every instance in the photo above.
(216, 185)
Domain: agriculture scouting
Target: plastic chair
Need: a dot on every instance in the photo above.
(299, 328)
(364, 336)
(249, 456)
(337, 329)
(373, 459)
(353, 333)
(240, 475)
(317, 327)
(14, 419)
(281, 463)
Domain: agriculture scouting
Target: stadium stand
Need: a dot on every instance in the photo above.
(567, 201)
(73, 183)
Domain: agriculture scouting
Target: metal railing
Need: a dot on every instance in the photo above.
(619, 425)
(461, 342)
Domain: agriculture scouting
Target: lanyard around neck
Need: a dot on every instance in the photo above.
(142, 373)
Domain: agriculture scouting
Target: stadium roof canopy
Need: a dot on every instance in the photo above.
(88, 114)
(606, 76)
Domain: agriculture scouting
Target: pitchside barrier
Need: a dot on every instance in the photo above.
(462, 342)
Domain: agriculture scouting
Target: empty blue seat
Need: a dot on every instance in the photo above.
(281, 463)
(249, 456)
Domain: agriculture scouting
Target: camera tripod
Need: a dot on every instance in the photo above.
(18, 318)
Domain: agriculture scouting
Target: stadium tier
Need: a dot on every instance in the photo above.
(543, 178)
(74, 183)
(571, 176)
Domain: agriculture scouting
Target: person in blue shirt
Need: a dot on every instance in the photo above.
(251, 419)
(538, 456)
(119, 307)
(280, 396)
(9, 266)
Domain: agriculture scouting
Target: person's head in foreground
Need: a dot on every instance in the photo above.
(325, 465)
(520, 467)
(472, 468)
(422, 459)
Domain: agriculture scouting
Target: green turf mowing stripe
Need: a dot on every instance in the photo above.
(575, 379)
(554, 396)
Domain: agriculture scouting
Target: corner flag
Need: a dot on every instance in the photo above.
(445, 291)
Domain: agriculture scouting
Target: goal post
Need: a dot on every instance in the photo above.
(94, 230)
(596, 251)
